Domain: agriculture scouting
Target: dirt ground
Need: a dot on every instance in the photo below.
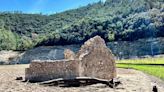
(132, 81)
(7, 56)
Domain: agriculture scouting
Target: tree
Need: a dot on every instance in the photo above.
(111, 36)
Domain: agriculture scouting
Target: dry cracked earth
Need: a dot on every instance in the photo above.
(132, 81)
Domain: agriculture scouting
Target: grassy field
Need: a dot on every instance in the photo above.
(154, 66)
(143, 61)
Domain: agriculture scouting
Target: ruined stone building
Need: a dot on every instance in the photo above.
(94, 60)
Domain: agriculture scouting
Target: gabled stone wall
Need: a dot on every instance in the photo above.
(96, 60)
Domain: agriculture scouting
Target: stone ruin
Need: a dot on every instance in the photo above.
(94, 60)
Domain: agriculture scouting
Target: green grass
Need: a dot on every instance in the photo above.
(155, 70)
(143, 61)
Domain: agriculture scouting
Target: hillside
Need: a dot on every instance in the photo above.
(114, 20)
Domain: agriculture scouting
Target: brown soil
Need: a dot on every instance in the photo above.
(132, 81)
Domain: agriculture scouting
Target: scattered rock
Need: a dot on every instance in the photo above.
(19, 78)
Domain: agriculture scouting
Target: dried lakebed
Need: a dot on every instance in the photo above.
(132, 81)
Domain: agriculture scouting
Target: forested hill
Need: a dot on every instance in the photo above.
(113, 20)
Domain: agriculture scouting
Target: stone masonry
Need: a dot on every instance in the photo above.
(47, 70)
(94, 60)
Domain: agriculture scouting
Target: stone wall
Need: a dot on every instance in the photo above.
(96, 60)
(47, 70)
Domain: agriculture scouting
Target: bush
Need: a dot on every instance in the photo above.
(7, 40)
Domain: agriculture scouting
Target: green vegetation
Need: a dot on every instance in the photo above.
(153, 67)
(114, 20)
(7, 39)
(12, 41)
(143, 61)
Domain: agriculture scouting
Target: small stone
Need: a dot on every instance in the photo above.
(19, 78)
(99, 85)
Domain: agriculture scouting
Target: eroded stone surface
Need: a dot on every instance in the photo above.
(47, 70)
(96, 60)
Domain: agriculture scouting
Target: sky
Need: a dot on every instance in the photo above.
(42, 6)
